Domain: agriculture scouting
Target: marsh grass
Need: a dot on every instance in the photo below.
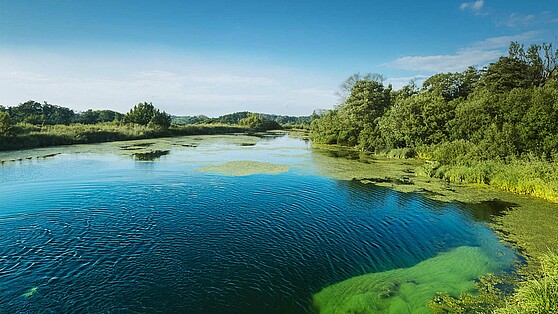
(536, 178)
(24, 136)
(536, 295)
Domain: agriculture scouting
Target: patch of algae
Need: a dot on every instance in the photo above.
(30, 292)
(348, 164)
(130, 148)
(245, 168)
(530, 225)
(407, 290)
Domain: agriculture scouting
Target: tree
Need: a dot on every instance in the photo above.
(346, 87)
(5, 123)
(146, 114)
(257, 122)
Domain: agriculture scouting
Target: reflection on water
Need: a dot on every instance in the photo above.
(102, 233)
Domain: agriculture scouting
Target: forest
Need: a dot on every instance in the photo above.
(496, 125)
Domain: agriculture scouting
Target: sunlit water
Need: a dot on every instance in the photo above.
(107, 233)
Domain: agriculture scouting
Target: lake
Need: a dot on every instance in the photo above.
(225, 224)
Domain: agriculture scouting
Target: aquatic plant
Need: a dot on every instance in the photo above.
(408, 290)
(245, 168)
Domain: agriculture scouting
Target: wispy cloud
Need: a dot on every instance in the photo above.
(446, 63)
(519, 20)
(504, 41)
(473, 6)
(478, 54)
(516, 20)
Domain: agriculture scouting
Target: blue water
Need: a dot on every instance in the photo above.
(102, 232)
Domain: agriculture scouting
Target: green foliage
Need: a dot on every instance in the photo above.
(537, 295)
(5, 123)
(98, 116)
(184, 120)
(257, 122)
(30, 136)
(36, 113)
(484, 126)
(355, 122)
(234, 118)
(146, 114)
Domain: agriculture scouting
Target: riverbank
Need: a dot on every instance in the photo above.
(524, 222)
(25, 136)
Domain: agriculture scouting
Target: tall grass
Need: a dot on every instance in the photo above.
(537, 178)
(30, 136)
(538, 294)
(460, 162)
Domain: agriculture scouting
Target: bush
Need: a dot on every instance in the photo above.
(5, 123)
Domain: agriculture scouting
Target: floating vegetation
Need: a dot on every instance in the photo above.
(402, 180)
(150, 156)
(136, 146)
(245, 168)
(408, 290)
(30, 292)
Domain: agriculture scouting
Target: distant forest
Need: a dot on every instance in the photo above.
(234, 118)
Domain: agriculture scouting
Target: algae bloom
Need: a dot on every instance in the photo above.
(407, 290)
(245, 168)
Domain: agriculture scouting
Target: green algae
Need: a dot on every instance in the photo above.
(245, 168)
(527, 223)
(408, 290)
(30, 292)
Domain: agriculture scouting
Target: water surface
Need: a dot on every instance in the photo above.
(105, 231)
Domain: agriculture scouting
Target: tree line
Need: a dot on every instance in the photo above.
(35, 113)
(508, 109)
(236, 117)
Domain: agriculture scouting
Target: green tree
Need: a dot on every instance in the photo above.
(257, 122)
(5, 123)
(146, 114)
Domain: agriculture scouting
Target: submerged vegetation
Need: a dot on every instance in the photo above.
(537, 294)
(496, 125)
(407, 290)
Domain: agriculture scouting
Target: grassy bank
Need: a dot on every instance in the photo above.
(535, 178)
(23, 136)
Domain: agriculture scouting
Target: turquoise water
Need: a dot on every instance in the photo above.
(105, 232)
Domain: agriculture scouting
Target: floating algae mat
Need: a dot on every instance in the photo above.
(245, 168)
(407, 290)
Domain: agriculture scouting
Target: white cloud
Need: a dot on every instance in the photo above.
(446, 63)
(474, 6)
(478, 54)
(504, 41)
(177, 84)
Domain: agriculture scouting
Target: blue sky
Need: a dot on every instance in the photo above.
(216, 57)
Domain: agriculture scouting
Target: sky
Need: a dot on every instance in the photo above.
(217, 57)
